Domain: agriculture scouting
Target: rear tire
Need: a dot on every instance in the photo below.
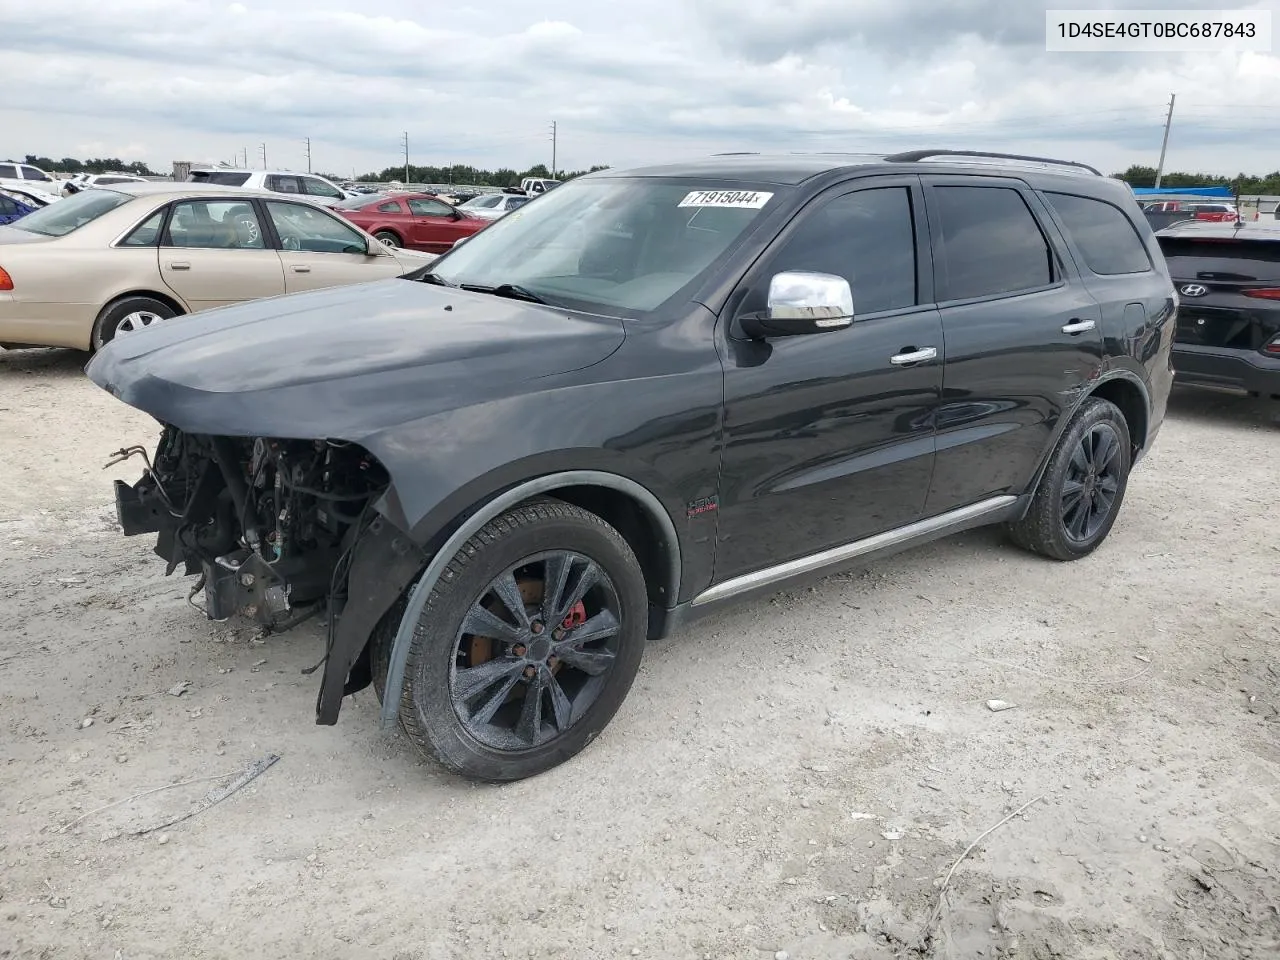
(389, 238)
(131, 313)
(1080, 493)
(580, 673)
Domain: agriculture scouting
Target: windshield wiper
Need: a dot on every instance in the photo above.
(509, 290)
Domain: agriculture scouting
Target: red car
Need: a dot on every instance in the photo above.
(418, 221)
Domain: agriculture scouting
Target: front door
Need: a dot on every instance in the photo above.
(829, 436)
(215, 252)
(1024, 336)
(318, 249)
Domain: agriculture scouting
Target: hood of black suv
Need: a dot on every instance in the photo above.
(346, 361)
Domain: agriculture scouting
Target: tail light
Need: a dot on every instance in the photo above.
(1272, 346)
(1263, 293)
(6, 281)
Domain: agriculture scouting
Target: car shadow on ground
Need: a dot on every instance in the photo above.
(1220, 408)
(49, 362)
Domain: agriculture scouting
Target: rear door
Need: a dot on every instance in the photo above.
(215, 252)
(320, 249)
(1023, 337)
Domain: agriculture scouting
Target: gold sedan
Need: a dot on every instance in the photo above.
(111, 260)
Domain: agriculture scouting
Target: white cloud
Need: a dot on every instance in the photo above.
(164, 80)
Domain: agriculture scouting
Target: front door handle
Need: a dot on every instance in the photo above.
(179, 265)
(1078, 326)
(913, 356)
(300, 268)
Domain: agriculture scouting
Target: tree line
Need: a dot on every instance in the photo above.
(472, 176)
(1242, 183)
(92, 165)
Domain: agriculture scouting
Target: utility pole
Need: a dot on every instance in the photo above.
(308, 141)
(1164, 145)
(245, 150)
(405, 138)
(263, 150)
(553, 149)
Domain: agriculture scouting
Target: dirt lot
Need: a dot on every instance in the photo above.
(772, 784)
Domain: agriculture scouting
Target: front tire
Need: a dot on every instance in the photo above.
(1080, 493)
(527, 645)
(127, 315)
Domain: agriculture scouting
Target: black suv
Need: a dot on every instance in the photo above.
(1228, 281)
(650, 393)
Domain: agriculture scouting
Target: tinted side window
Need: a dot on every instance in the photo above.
(990, 243)
(31, 173)
(1107, 240)
(390, 207)
(9, 171)
(866, 237)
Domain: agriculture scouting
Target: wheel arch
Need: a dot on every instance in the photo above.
(627, 505)
(398, 234)
(1120, 386)
(165, 298)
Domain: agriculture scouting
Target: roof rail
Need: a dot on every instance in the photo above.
(913, 156)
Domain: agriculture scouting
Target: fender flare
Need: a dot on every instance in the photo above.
(472, 525)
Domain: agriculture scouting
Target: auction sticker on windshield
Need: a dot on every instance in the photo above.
(742, 199)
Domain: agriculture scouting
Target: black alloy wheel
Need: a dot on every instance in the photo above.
(527, 645)
(1092, 482)
(1079, 495)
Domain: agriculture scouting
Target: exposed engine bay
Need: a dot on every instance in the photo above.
(267, 524)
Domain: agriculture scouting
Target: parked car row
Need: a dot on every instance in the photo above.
(126, 256)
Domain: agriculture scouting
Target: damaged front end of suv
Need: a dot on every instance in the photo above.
(271, 526)
(267, 524)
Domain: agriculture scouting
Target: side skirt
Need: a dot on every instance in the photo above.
(772, 579)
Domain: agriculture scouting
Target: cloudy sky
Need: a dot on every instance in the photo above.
(627, 81)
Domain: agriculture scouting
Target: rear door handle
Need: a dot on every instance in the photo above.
(913, 356)
(179, 265)
(1078, 326)
(300, 268)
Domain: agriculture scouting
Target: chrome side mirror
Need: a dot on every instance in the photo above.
(801, 302)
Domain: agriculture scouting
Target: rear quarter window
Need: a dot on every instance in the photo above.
(1105, 237)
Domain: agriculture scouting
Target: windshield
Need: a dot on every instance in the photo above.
(59, 219)
(612, 245)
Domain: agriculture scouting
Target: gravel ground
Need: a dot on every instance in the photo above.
(796, 776)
